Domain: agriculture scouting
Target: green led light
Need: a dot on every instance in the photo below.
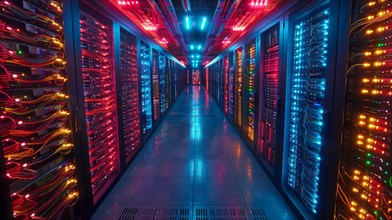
(19, 52)
(368, 162)
(369, 154)
(386, 163)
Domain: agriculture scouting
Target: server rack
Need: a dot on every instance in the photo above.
(36, 160)
(221, 81)
(180, 76)
(249, 85)
(309, 130)
(270, 99)
(231, 85)
(168, 82)
(99, 94)
(155, 86)
(238, 97)
(162, 82)
(146, 91)
(225, 85)
(129, 102)
(365, 179)
(207, 82)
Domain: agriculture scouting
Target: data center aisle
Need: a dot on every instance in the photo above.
(194, 166)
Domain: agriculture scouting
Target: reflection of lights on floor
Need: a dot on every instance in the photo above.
(196, 130)
(199, 168)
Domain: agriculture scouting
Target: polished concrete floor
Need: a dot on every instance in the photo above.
(197, 163)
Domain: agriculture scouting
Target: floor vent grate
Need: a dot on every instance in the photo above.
(229, 214)
(155, 213)
(257, 214)
(129, 214)
(159, 213)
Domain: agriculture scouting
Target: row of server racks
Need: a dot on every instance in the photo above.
(311, 95)
(79, 96)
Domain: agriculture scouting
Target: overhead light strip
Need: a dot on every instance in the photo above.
(203, 23)
(187, 23)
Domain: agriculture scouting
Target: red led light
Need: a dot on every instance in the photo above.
(149, 27)
(238, 28)
(258, 3)
(226, 41)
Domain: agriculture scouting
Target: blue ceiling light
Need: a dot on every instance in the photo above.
(187, 23)
(192, 47)
(199, 47)
(203, 23)
(198, 56)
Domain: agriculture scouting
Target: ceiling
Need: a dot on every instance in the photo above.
(195, 31)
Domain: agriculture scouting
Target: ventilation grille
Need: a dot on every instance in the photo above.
(158, 213)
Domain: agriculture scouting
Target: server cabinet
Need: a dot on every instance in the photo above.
(162, 83)
(309, 128)
(37, 160)
(231, 85)
(221, 84)
(146, 93)
(249, 85)
(267, 145)
(99, 101)
(168, 83)
(155, 86)
(225, 85)
(365, 179)
(129, 92)
(238, 100)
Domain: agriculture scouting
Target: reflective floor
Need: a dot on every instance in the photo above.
(195, 160)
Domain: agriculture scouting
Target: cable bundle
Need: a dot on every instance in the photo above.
(365, 179)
